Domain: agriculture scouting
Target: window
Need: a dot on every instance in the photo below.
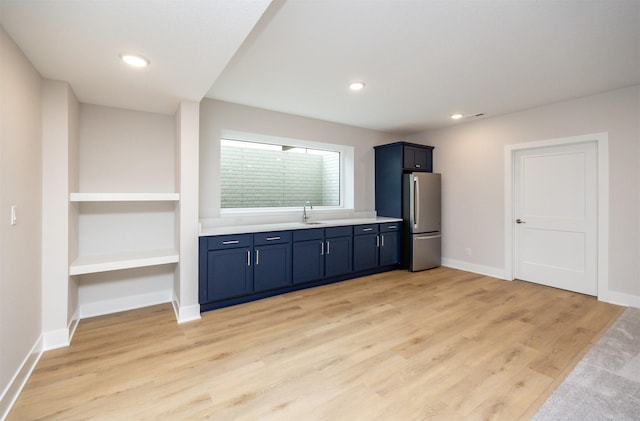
(277, 175)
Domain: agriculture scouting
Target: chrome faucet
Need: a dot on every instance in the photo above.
(304, 210)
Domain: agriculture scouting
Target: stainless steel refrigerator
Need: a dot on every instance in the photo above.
(421, 214)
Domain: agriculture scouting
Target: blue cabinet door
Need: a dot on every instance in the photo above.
(365, 252)
(308, 261)
(389, 248)
(338, 256)
(229, 273)
(272, 267)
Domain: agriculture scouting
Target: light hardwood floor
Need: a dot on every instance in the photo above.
(440, 344)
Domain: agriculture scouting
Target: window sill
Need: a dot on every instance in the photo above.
(273, 216)
(281, 211)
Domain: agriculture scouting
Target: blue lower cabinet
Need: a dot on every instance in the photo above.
(272, 266)
(229, 273)
(365, 247)
(308, 261)
(390, 243)
(365, 252)
(246, 267)
(338, 256)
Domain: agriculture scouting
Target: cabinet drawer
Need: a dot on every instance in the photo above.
(365, 229)
(274, 237)
(333, 232)
(308, 234)
(228, 241)
(391, 227)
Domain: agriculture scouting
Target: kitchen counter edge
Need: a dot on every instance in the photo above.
(288, 226)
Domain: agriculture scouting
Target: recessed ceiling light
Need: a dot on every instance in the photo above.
(456, 116)
(135, 60)
(356, 86)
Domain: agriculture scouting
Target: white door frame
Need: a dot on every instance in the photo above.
(602, 142)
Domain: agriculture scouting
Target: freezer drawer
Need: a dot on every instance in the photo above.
(425, 251)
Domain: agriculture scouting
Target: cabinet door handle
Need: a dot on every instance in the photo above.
(328, 248)
(417, 165)
(257, 257)
(322, 249)
(230, 242)
(248, 258)
(382, 241)
(272, 238)
(377, 241)
(367, 229)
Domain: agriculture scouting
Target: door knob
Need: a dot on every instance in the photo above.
(520, 221)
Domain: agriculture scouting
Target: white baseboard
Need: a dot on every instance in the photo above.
(12, 391)
(62, 337)
(55, 339)
(185, 313)
(73, 324)
(130, 302)
(612, 297)
(471, 267)
(621, 299)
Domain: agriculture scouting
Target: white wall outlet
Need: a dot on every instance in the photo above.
(467, 251)
(14, 218)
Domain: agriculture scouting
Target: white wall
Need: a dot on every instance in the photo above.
(59, 113)
(72, 182)
(185, 284)
(216, 116)
(125, 151)
(20, 185)
(470, 157)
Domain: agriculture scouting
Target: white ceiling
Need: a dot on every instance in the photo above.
(188, 42)
(421, 60)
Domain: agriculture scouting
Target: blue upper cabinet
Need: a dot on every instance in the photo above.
(392, 161)
(417, 158)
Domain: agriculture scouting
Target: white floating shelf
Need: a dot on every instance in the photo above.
(124, 197)
(104, 263)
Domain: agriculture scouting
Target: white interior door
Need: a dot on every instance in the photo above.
(555, 213)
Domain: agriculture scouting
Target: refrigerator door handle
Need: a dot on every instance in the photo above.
(416, 202)
(427, 237)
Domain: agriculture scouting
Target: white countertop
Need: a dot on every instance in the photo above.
(285, 226)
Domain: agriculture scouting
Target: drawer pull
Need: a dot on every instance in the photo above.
(391, 227)
(230, 242)
(272, 238)
(367, 229)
